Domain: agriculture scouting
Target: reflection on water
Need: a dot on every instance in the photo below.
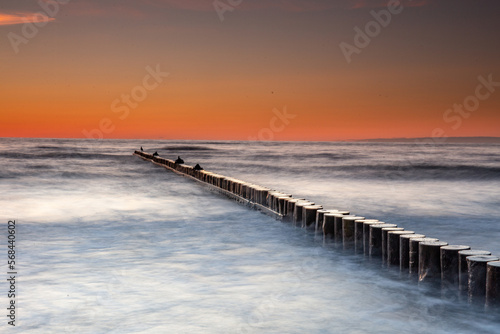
(111, 244)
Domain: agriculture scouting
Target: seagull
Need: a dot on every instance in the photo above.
(179, 160)
(197, 167)
(142, 149)
(155, 154)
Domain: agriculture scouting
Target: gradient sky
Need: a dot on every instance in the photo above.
(228, 78)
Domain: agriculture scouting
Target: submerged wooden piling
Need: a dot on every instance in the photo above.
(337, 227)
(449, 264)
(376, 238)
(282, 204)
(463, 271)
(348, 230)
(366, 235)
(476, 278)
(291, 207)
(404, 250)
(297, 211)
(393, 242)
(309, 215)
(385, 241)
(329, 222)
(414, 254)
(319, 218)
(358, 233)
(493, 284)
(429, 263)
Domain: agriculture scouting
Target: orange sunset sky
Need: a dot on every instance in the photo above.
(68, 68)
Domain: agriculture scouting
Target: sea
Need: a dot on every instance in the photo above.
(109, 243)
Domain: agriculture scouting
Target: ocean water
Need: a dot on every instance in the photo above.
(109, 243)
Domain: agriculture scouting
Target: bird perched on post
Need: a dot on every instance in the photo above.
(155, 154)
(179, 160)
(197, 167)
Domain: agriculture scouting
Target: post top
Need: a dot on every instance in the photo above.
(382, 225)
(494, 264)
(414, 236)
(434, 243)
(471, 252)
(353, 218)
(401, 232)
(456, 247)
(482, 258)
(390, 229)
(423, 239)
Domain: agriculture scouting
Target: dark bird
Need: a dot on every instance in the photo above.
(142, 149)
(197, 167)
(179, 160)
(155, 154)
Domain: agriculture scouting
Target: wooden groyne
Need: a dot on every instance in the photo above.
(474, 274)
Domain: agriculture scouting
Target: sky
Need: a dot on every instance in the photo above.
(249, 69)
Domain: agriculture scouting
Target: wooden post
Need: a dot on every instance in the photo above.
(476, 267)
(366, 235)
(329, 223)
(429, 263)
(404, 250)
(493, 284)
(414, 255)
(358, 233)
(309, 215)
(376, 238)
(297, 211)
(449, 264)
(348, 230)
(393, 242)
(385, 240)
(319, 218)
(291, 207)
(463, 271)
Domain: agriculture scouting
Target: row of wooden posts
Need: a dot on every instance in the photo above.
(474, 273)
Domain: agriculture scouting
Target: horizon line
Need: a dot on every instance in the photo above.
(440, 140)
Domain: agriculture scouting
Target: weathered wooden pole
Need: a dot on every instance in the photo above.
(329, 223)
(366, 235)
(404, 250)
(414, 253)
(358, 233)
(291, 207)
(319, 218)
(297, 211)
(476, 267)
(348, 230)
(493, 285)
(463, 270)
(393, 242)
(449, 264)
(309, 215)
(385, 240)
(376, 238)
(429, 263)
